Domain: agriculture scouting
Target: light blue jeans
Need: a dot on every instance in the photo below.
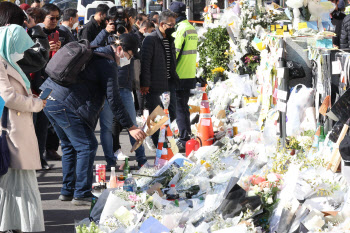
(106, 127)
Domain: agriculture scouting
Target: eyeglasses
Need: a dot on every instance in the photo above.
(53, 18)
(170, 25)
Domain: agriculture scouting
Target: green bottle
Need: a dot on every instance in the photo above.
(93, 202)
(126, 169)
(322, 137)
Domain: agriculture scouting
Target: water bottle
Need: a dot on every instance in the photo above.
(130, 184)
(172, 194)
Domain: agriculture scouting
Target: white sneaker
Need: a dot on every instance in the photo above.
(120, 155)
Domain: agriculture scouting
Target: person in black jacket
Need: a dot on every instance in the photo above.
(70, 21)
(337, 20)
(74, 112)
(95, 25)
(158, 66)
(345, 33)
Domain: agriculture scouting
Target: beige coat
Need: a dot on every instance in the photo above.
(22, 140)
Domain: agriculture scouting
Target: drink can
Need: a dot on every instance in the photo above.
(230, 132)
(235, 130)
(100, 173)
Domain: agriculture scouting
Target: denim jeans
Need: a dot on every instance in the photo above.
(79, 146)
(106, 137)
(128, 102)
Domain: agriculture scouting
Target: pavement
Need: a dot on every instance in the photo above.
(59, 216)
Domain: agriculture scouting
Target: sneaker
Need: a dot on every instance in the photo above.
(120, 155)
(182, 148)
(82, 201)
(65, 198)
(44, 165)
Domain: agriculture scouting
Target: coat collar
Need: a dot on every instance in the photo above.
(13, 73)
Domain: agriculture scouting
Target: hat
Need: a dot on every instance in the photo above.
(178, 7)
(24, 6)
(128, 42)
(344, 149)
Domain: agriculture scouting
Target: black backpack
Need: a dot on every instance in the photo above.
(68, 62)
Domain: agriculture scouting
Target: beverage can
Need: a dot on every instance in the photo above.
(100, 173)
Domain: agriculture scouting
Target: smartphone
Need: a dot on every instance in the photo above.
(45, 94)
(54, 37)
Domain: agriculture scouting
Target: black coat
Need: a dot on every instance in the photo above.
(37, 56)
(86, 99)
(337, 20)
(69, 33)
(90, 30)
(153, 63)
(345, 33)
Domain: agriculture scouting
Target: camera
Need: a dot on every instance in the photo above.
(118, 14)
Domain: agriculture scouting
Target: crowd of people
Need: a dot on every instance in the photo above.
(134, 59)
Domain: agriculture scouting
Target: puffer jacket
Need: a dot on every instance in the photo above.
(345, 33)
(153, 63)
(37, 56)
(99, 81)
(337, 21)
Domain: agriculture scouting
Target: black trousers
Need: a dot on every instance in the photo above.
(183, 115)
(153, 100)
(41, 124)
(116, 130)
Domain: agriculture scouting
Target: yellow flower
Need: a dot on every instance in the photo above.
(197, 64)
(218, 70)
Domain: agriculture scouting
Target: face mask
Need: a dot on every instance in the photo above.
(75, 25)
(16, 57)
(123, 61)
(146, 34)
(169, 32)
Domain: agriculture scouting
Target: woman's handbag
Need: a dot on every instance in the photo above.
(4, 149)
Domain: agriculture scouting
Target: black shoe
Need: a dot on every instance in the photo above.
(182, 148)
(52, 155)
(108, 167)
(44, 165)
(82, 201)
(140, 164)
(65, 198)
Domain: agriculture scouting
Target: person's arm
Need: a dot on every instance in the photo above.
(14, 100)
(37, 56)
(101, 39)
(344, 36)
(147, 51)
(179, 40)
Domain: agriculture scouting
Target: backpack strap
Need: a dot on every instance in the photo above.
(4, 118)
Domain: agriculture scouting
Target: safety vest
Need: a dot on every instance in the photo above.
(347, 10)
(186, 40)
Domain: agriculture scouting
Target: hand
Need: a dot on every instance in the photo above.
(110, 27)
(53, 46)
(144, 90)
(44, 103)
(58, 45)
(137, 133)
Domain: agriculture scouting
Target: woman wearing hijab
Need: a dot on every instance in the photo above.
(20, 203)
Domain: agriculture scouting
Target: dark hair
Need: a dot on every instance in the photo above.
(37, 14)
(68, 13)
(36, 1)
(131, 12)
(48, 8)
(153, 13)
(140, 16)
(10, 13)
(166, 15)
(128, 42)
(103, 8)
(113, 13)
(154, 21)
(148, 24)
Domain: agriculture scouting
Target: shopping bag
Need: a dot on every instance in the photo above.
(4, 150)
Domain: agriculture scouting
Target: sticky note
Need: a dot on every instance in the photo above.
(302, 25)
(273, 28)
(279, 32)
(281, 106)
(278, 26)
(285, 28)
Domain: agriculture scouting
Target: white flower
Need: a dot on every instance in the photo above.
(269, 200)
(272, 177)
(251, 193)
(266, 190)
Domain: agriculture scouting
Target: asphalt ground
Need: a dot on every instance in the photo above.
(60, 217)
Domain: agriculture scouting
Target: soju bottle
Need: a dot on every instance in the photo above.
(126, 169)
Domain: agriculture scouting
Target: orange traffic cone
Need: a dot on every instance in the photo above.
(205, 126)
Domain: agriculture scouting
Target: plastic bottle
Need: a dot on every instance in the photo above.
(172, 193)
(130, 184)
(113, 179)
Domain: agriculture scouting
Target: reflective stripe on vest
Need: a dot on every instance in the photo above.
(188, 52)
(189, 32)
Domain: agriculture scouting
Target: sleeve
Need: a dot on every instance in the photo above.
(147, 51)
(344, 36)
(100, 39)
(14, 100)
(85, 33)
(179, 40)
(109, 81)
(37, 56)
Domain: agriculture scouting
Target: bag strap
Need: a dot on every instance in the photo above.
(4, 118)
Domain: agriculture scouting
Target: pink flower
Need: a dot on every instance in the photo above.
(258, 180)
(134, 198)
